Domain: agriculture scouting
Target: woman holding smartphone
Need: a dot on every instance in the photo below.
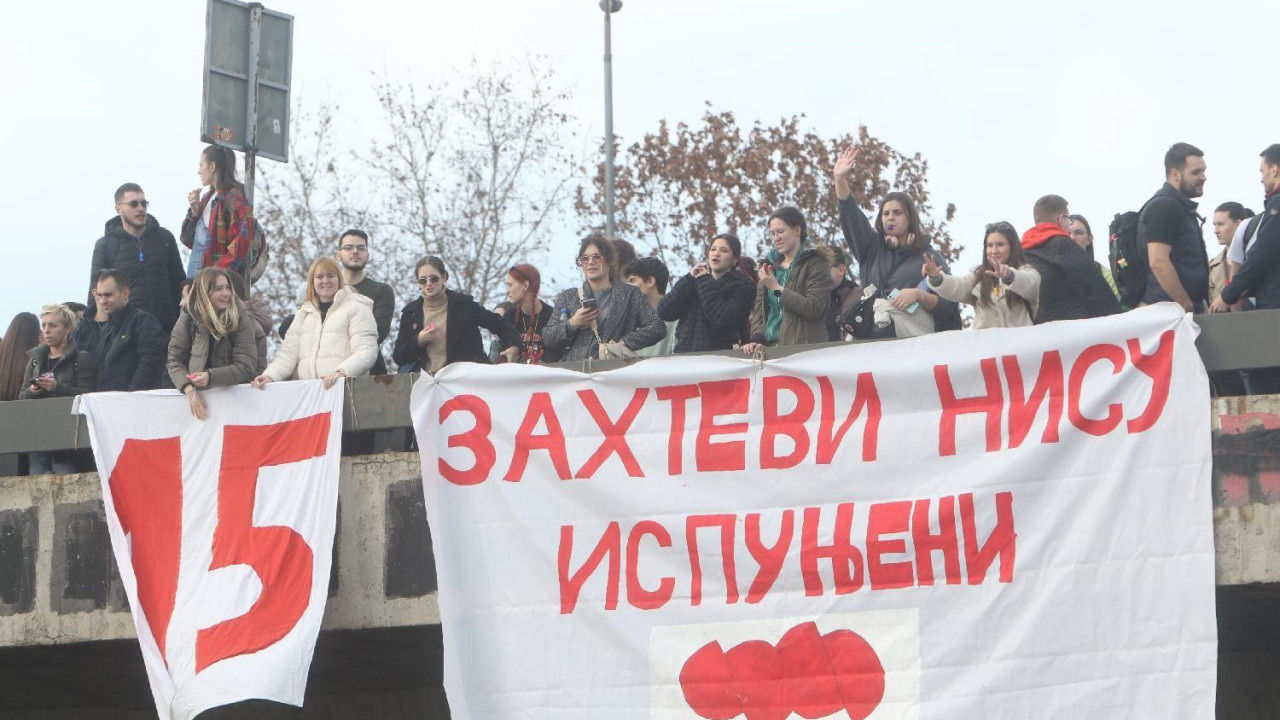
(712, 301)
(213, 343)
(443, 327)
(891, 254)
(601, 318)
(794, 287)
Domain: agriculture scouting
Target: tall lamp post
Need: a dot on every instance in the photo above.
(609, 7)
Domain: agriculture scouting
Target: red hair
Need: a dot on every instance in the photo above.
(525, 272)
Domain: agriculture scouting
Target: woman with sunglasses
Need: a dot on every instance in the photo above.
(443, 327)
(214, 342)
(1004, 290)
(712, 301)
(528, 314)
(890, 255)
(602, 318)
(219, 226)
(333, 333)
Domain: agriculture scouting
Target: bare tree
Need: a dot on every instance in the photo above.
(679, 186)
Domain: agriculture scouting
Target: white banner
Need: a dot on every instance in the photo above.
(1004, 524)
(223, 533)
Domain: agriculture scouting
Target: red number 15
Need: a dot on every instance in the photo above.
(146, 487)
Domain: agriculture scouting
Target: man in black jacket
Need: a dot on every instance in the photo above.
(1169, 230)
(353, 253)
(147, 253)
(1260, 273)
(129, 346)
(1071, 283)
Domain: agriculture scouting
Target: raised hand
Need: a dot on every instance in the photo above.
(1001, 271)
(930, 268)
(845, 161)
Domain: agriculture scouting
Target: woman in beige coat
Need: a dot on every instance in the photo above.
(1004, 290)
(212, 343)
(333, 333)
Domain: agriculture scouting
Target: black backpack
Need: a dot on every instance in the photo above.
(1129, 267)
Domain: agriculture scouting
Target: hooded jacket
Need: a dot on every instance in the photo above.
(803, 300)
(462, 341)
(1260, 273)
(710, 311)
(1071, 284)
(629, 319)
(345, 339)
(229, 360)
(151, 262)
(74, 372)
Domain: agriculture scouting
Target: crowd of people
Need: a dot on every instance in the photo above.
(151, 323)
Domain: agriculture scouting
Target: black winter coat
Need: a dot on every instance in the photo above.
(129, 349)
(464, 318)
(1071, 284)
(1260, 273)
(156, 279)
(711, 312)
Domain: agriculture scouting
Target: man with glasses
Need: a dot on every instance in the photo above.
(135, 244)
(353, 254)
(1071, 283)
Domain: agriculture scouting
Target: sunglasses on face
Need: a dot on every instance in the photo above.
(135, 204)
(428, 280)
(590, 259)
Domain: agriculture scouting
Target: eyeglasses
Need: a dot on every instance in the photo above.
(585, 260)
(135, 204)
(428, 280)
(354, 248)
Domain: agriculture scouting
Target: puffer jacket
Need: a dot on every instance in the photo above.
(346, 339)
(230, 360)
(151, 262)
(74, 372)
(1003, 310)
(803, 302)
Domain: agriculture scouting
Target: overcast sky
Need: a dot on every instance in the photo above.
(1007, 100)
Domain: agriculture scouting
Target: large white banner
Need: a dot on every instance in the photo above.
(1004, 524)
(223, 533)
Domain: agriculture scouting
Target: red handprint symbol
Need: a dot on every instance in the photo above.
(811, 675)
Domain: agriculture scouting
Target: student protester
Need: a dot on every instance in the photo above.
(747, 266)
(1071, 283)
(219, 226)
(529, 315)
(77, 309)
(712, 301)
(890, 255)
(1227, 219)
(1004, 290)
(128, 347)
(23, 335)
(333, 334)
(57, 368)
(793, 289)
(257, 313)
(136, 244)
(1169, 230)
(601, 318)
(502, 310)
(213, 344)
(442, 326)
(651, 276)
(1082, 234)
(353, 253)
(624, 254)
(845, 292)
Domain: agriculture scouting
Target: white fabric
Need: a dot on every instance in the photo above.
(1235, 251)
(295, 501)
(346, 339)
(1107, 611)
(1002, 311)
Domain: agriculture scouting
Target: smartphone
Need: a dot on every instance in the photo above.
(910, 308)
(589, 303)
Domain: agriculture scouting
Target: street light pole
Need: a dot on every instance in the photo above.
(609, 7)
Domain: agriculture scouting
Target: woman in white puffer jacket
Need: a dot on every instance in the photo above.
(333, 333)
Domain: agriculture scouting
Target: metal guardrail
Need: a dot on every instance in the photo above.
(1228, 342)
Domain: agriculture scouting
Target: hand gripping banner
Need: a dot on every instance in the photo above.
(1004, 524)
(223, 533)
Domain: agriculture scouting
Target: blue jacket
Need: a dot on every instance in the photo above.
(1187, 249)
(1260, 273)
(129, 349)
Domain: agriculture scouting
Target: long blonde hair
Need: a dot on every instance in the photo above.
(326, 263)
(222, 323)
